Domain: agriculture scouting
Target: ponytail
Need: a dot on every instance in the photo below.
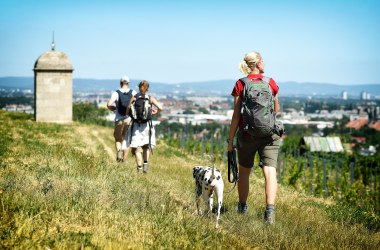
(249, 63)
(243, 66)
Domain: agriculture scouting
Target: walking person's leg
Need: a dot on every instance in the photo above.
(243, 183)
(146, 153)
(270, 184)
(268, 157)
(246, 150)
(118, 135)
(126, 125)
(138, 152)
(243, 188)
(270, 193)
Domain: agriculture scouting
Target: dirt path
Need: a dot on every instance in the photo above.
(109, 150)
(94, 136)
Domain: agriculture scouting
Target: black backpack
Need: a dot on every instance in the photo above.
(141, 109)
(123, 102)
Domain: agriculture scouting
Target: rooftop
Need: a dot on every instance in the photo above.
(53, 60)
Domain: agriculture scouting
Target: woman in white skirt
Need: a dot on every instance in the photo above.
(141, 136)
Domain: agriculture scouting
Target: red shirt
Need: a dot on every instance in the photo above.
(239, 87)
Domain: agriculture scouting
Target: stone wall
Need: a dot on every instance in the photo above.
(53, 97)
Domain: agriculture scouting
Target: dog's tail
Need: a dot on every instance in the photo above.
(212, 161)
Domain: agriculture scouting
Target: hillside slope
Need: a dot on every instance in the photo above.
(61, 188)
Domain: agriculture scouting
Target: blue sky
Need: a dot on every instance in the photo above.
(184, 41)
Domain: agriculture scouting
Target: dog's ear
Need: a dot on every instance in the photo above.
(195, 171)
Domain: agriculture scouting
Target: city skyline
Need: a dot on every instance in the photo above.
(176, 42)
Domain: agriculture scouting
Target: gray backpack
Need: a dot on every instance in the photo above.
(259, 118)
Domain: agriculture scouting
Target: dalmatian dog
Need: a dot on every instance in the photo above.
(207, 181)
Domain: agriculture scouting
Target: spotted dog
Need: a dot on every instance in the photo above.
(208, 180)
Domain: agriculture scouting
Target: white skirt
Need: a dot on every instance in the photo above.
(140, 136)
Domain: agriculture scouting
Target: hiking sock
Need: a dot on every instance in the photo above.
(145, 167)
(119, 155)
(269, 214)
(270, 207)
(242, 208)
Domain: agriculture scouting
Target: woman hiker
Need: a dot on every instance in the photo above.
(141, 137)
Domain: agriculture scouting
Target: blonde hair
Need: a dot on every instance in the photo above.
(249, 63)
(144, 86)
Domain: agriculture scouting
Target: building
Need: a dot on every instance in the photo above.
(321, 144)
(344, 95)
(53, 87)
(357, 123)
(365, 95)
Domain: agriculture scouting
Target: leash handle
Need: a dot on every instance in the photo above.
(233, 174)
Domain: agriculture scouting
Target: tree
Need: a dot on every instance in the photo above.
(188, 112)
(203, 110)
(90, 113)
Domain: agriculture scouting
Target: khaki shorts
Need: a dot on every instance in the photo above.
(121, 128)
(267, 147)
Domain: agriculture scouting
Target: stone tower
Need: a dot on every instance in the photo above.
(53, 87)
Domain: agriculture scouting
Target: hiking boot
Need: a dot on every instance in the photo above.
(139, 169)
(269, 215)
(119, 155)
(242, 208)
(145, 167)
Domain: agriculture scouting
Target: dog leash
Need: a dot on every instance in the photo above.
(233, 173)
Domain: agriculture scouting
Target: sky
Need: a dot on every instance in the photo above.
(165, 41)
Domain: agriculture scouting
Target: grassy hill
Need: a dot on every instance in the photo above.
(60, 187)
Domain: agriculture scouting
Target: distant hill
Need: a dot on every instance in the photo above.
(217, 87)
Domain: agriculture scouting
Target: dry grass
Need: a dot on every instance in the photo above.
(61, 189)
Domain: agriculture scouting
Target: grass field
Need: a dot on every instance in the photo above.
(60, 188)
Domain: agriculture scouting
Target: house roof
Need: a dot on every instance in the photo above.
(357, 123)
(323, 144)
(375, 125)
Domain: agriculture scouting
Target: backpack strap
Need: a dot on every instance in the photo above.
(245, 80)
(150, 124)
(118, 100)
(266, 79)
(131, 132)
(118, 93)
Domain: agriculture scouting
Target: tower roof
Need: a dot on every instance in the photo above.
(53, 60)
